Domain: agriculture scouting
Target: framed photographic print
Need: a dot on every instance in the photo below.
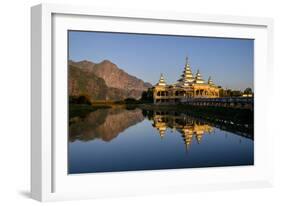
(137, 102)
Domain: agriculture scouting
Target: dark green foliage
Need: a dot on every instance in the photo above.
(130, 101)
(83, 99)
(248, 91)
(147, 96)
(236, 93)
(147, 113)
(230, 93)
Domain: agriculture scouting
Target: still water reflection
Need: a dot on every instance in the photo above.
(123, 140)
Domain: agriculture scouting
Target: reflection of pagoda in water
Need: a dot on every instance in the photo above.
(188, 126)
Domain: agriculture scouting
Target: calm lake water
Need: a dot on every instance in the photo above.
(109, 140)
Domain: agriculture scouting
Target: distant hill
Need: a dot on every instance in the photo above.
(103, 81)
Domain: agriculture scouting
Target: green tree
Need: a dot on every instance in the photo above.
(147, 96)
(227, 93)
(236, 93)
(82, 99)
(248, 91)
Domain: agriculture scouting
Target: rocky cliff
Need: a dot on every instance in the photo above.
(103, 81)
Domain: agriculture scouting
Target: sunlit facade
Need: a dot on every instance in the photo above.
(187, 87)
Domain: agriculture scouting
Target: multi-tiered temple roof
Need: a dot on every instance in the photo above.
(187, 76)
(210, 81)
(161, 81)
(198, 78)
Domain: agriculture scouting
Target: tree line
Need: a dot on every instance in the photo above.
(235, 93)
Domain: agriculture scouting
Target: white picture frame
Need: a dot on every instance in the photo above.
(49, 179)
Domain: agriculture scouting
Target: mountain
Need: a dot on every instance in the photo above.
(103, 81)
(81, 83)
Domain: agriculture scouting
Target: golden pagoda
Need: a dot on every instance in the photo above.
(187, 87)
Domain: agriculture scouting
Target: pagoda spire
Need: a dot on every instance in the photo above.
(161, 81)
(198, 78)
(210, 81)
(187, 76)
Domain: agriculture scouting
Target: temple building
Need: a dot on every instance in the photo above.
(187, 87)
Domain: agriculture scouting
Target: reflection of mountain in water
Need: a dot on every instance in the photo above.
(103, 123)
(188, 126)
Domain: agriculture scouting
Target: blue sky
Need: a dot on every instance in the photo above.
(228, 61)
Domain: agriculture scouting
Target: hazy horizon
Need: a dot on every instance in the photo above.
(228, 61)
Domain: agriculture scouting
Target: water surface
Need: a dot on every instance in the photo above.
(110, 140)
